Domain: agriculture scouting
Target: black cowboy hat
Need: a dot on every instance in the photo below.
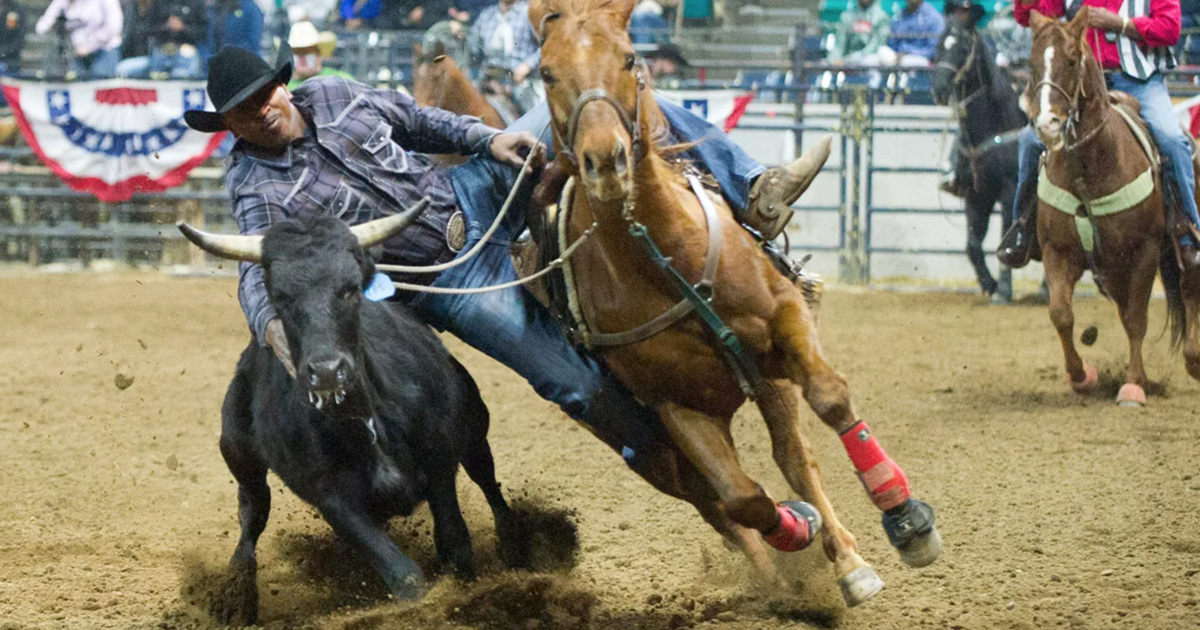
(966, 5)
(667, 51)
(235, 74)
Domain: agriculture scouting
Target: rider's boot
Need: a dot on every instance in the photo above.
(770, 209)
(909, 523)
(1017, 245)
(1189, 252)
(774, 192)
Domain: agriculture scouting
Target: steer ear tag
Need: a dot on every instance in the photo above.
(380, 289)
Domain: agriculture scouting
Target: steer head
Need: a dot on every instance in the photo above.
(315, 271)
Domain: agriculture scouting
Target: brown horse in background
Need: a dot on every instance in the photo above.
(598, 106)
(1093, 153)
(439, 82)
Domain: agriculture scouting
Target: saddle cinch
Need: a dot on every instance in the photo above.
(1129, 195)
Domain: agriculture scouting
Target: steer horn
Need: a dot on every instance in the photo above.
(372, 233)
(231, 246)
(249, 248)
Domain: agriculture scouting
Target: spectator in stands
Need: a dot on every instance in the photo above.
(94, 28)
(358, 14)
(505, 47)
(412, 14)
(449, 37)
(12, 36)
(466, 10)
(316, 11)
(235, 23)
(915, 33)
(135, 43)
(176, 31)
(664, 64)
(860, 36)
(310, 49)
(647, 25)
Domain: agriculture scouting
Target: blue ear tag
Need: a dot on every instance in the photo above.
(380, 289)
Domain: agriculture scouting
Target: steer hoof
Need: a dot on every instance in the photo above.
(1090, 380)
(860, 585)
(1131, 395)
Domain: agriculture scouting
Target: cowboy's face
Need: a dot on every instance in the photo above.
(267, 119)
(306, 62)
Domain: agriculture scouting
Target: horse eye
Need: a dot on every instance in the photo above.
(547, 76)
(630, 59)
(348, 293)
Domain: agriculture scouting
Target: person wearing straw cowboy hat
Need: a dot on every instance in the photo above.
(334, 146)
(310, 49)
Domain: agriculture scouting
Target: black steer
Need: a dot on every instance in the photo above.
(376, 421)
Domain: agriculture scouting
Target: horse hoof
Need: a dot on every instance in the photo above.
(1131, 395)
(1000, 299)
(860, 585)
(1090, 380)
(923, 551)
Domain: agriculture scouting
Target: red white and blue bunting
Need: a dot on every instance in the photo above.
(721, 108)
(113, 138)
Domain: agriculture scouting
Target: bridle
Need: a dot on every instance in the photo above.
(960, 73)
(1074, 112)
(632, 124)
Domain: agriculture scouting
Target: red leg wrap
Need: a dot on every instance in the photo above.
(883, 478)
(793, 534)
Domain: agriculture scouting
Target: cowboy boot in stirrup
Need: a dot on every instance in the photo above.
(1017, 245)
(1189, 253)
(774, 192)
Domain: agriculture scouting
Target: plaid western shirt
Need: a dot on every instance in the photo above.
(352, 163)
(525, 48)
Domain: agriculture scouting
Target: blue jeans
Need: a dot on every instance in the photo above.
(510, 325)
(101, 64)
(176, 65)
(1164, 126)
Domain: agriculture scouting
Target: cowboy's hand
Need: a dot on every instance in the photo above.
(521, 72)
(276, 338)
(511, 148)
(1103, 19)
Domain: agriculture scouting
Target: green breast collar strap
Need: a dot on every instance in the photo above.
(1123, 199)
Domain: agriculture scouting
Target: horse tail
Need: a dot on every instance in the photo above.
(1172, 279)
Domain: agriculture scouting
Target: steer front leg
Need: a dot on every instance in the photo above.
(403, 577)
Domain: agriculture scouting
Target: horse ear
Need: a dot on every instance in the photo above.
(1037, 21)
(624, 9)
(538, 9)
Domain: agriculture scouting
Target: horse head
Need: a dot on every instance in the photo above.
(593, 87)
(957, 55)
(432, 69)
(1063, 75)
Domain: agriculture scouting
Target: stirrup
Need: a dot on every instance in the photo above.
(810, 283)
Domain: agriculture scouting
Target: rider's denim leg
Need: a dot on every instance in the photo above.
(1029, 150)
(728, 163)
(1157, 112)
(509, 325)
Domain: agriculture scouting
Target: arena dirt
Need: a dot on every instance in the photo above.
(116, 510)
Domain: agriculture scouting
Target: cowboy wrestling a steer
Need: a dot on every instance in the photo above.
(339, 147)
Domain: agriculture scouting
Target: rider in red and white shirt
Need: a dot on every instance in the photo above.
(1132, 39)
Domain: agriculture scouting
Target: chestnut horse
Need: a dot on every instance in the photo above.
(1093, 154)
(603, 123)
(439, 82)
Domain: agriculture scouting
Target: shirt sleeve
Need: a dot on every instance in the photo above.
(114, 22)
(55, 9)
(254, 214)
(429, 129)
(1048, 8)
(1161, 27)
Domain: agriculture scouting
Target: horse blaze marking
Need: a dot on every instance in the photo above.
(1044, 109)
(950, 41)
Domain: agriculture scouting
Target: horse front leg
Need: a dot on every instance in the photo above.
(779, 403)
(909, 523)
(1191, 340)
(1061, 276)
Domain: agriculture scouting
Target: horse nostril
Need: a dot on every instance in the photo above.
(622, 160)
(589, 167)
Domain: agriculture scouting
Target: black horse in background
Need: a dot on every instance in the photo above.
(967, 79)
